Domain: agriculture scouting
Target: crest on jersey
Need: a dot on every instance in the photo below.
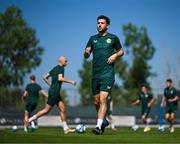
(109, 40)
(171, 91)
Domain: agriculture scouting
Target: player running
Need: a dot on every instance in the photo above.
(31, 95)
(170, 102)
(54, 98)
(106, 49)
(146, 99)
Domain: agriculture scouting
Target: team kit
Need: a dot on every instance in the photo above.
(105, 49)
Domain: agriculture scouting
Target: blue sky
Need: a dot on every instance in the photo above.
(64, 27)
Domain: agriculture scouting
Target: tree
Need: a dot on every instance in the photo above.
(141, 49)
(19, 50)
(85, 84)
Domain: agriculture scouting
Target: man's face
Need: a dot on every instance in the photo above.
(169, 84)
(144, 89)
(102, 25)
(63, 60)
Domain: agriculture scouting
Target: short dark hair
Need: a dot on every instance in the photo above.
(33, 77)
(145, 85)
(105, 18)
(169, 80)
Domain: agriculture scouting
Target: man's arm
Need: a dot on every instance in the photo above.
(24, 95)
(174, 99)
(151, 102)
(44, 93)
(87, 52)
(46, 79)
(136, 102)
(163, 101)
(113, 57)
(62, 79)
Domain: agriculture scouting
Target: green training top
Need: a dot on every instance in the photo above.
(145, 98)
(170, 93)
(102, 48)
(55, 84)
(33, 92)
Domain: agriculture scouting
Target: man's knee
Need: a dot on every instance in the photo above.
(167, 117)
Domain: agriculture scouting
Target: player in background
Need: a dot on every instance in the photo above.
(146, 99)
(54, 98)
(109, 111)
(106, 49)
(170, 102)
(31, 95)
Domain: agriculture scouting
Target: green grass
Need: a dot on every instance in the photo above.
(122, 135)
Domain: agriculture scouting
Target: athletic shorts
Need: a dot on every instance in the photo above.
(53, 97)
(171, 108)
(145, 111)
(30, 107)
(105, 84)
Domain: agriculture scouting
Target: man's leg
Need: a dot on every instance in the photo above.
(144, 119)
(41, 112)
(101, 112)
(111, 121)
(26, 117)
(172, 118)
(62, 109)
(167, 116)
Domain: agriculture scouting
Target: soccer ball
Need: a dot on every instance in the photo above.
(80, 128)
(14, 128)
(161, 128)
(135, 127)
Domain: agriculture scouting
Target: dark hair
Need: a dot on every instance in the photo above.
(145, 85)
(169, 80)
(32, 77)
(105, 18)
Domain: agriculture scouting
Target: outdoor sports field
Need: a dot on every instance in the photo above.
(121, 135)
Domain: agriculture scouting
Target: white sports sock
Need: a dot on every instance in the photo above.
(99, 123)
(32, 118)
(64, 124)
(25, 129)
(33, 124)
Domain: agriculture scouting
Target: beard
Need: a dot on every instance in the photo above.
(101, 30)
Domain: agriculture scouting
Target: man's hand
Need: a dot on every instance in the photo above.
(73, 83)
(112, 58)
(171, 100)
(87, 52)
(149, 104)
(162, 104)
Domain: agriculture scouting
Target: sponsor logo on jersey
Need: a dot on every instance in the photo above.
(95, 41)
(108, 87)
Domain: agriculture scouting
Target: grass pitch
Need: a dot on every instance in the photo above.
(121, 135)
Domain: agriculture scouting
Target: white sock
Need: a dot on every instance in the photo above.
(99, 123)
(32, 124)
(25, 129)
(32, 118)
(64, 124)
(112, 125)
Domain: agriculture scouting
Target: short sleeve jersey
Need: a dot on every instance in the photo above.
(55, 84)
(33, 92)
(102, 48)
(170, 93)
(145, 98)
